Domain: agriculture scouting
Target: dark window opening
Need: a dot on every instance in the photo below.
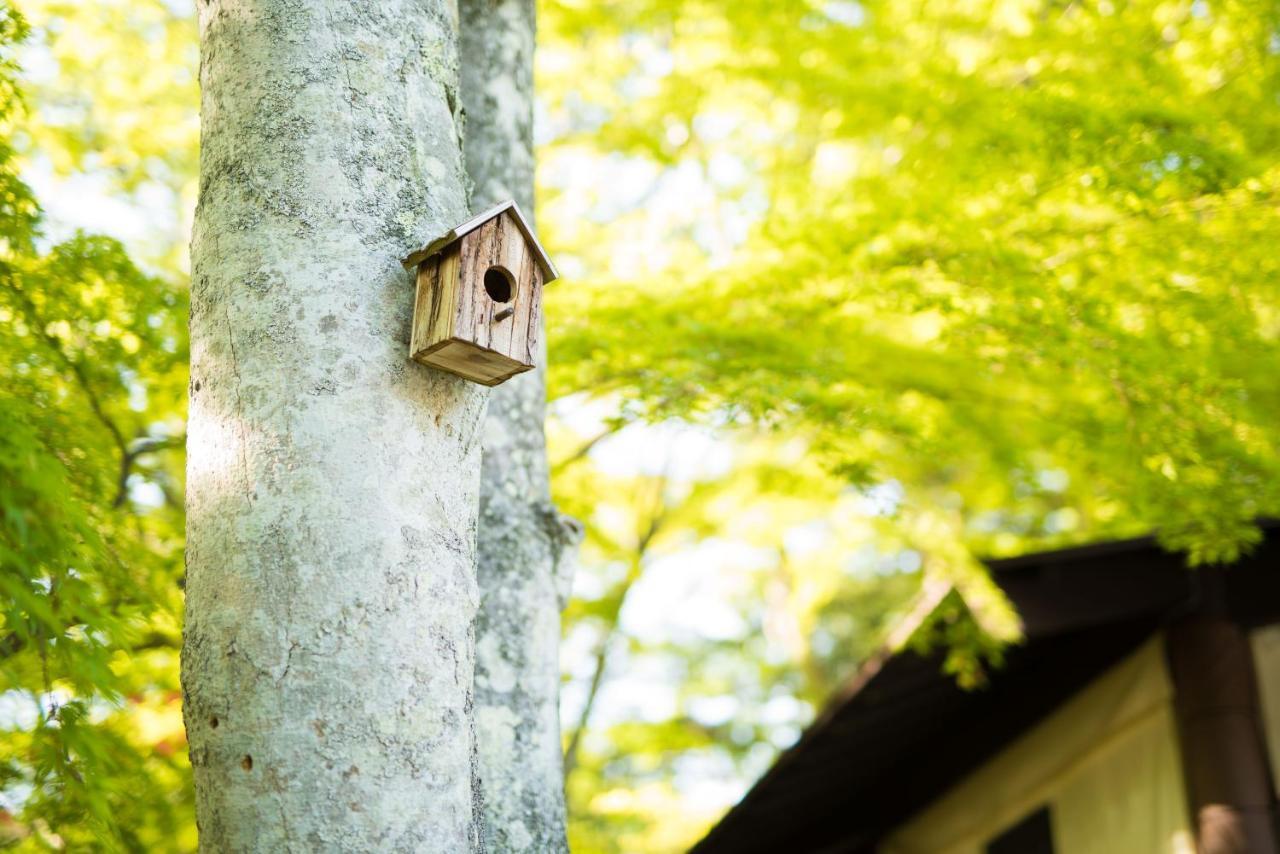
(1032, 835)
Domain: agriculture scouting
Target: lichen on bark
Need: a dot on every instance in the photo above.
(328, 658)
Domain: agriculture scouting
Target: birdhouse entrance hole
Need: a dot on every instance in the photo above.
(498, 284)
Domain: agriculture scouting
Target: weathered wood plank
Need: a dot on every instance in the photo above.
(532, 326)
(467, 360)
(434, 314)
(512, 255)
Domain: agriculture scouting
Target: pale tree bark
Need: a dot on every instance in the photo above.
(328, 657)
(524, 546)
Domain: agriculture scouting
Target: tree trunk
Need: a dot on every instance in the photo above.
(523, 544)
(328, 657)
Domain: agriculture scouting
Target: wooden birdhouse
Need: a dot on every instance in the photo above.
(478, 307)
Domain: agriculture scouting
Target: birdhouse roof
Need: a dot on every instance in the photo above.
(459, 231)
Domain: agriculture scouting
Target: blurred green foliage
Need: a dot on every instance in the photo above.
(716, 608)
(92, 395)
(1014, 259)
(989, 238)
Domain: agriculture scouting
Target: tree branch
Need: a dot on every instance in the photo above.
(646, 536)
(585, 448)
(139, 447)
(38, 324)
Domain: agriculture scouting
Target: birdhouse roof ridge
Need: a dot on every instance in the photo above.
(456, 233)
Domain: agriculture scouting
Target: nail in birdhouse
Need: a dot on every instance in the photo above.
(478, 307)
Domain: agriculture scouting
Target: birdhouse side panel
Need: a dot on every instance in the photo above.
(499, 289)
(435, 303)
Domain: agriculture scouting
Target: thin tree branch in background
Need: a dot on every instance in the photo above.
(645, 538)
(38, 324)
(584, 717)
(585, 448)
(139, 447)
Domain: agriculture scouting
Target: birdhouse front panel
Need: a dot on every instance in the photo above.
(437, 335)
(505, 289)
(478, 307)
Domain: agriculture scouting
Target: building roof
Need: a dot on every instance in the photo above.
(456, 233)
(902, 732)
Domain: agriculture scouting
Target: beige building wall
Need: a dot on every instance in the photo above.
(1105, 763)
(1266, 665)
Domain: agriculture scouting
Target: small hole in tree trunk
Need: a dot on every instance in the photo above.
(213, 722)
(498, 284)
(247, 762)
